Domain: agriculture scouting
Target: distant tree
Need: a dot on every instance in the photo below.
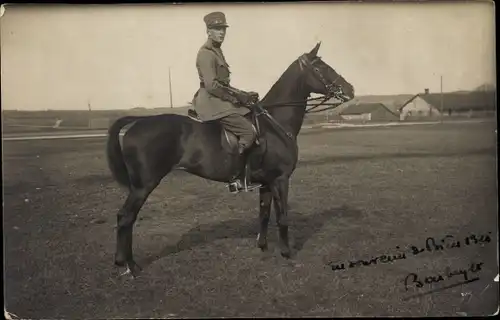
(486, 87)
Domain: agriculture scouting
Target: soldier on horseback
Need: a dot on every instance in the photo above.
(217, 100)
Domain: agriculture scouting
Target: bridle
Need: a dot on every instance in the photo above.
(333, 90)
(330, 87)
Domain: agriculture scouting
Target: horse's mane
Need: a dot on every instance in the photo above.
(280, 81)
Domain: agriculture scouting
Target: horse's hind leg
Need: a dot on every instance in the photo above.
(125, 224)
(266, 198)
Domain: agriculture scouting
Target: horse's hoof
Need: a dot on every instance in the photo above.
(263, 246)
(286, 254)
(133, 270)
(261, 243)
(126, 273)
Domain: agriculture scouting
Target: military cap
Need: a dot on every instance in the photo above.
(215, 19)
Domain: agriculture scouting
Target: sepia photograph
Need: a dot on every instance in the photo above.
(213, 160)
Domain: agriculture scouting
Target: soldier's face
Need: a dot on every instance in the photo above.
(217, 34)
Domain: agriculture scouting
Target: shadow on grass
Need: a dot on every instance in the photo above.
(106, 178)
(302, 228)
(95, 179)
(362, 157)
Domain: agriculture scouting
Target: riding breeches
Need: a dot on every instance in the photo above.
(241, 127)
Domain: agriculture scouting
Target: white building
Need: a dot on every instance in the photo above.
(417, 107)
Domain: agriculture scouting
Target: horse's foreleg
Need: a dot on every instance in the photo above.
(280, 195)
(265, 200)
(125, 224)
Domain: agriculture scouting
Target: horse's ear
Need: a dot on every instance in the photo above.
(314, 51)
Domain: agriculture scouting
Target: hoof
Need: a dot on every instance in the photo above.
(133, 270)
(286, 254)
(263, 246)
(261, 243)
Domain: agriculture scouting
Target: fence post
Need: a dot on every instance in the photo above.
(89, 122)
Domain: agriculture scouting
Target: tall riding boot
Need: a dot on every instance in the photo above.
(241, 180)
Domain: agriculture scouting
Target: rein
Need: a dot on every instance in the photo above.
(297, 103)
(261, 111)
(301, 103)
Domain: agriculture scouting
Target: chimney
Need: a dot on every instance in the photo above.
(426, 90)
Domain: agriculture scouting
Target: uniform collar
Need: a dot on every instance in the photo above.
(217, 50)
(210, 45)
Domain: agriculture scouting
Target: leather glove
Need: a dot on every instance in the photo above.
(254, 96)
(251, 98)
(244, 98)
(234, 100)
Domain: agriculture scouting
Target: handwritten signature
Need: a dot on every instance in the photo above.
(431, 245)
(419, 282)
(416, 281)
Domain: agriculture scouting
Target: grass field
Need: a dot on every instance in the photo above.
(357, 194)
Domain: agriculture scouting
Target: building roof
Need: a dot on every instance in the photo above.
(362, 108)
(476, 100)
(460, 100)
(391, 102)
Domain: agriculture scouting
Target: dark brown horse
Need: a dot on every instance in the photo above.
(153, 146)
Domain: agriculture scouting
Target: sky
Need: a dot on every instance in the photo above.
(118, 56)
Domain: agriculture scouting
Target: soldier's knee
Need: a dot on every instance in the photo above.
(248, 136)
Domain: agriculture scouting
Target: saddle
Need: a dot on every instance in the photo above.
(252, 158)
(229, 140)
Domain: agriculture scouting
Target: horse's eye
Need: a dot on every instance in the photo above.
(316, 69)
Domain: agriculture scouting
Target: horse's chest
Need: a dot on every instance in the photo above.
(283, 161)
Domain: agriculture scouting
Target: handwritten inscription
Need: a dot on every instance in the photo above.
(385, 258)
(448, 242)
(431, 245)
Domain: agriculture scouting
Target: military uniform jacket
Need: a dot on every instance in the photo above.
(212, 100)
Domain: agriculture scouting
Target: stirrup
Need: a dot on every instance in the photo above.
(246, 186)
(249, 186)
(234, 187)
(237, 186)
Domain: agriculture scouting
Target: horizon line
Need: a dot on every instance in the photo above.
(188, 104)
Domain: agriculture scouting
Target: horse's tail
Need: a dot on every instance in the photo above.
(114, 151)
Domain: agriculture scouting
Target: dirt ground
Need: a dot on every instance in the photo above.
(357, 194)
